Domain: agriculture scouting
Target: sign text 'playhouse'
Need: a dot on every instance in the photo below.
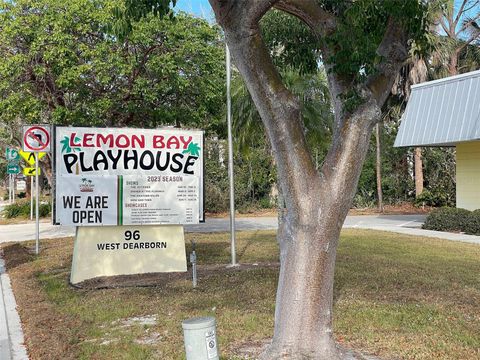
(130, 151)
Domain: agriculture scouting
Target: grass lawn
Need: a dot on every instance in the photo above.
(398, 297)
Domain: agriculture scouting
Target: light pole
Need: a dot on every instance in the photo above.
(230, 161)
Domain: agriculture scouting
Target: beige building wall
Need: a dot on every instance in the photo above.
(468, 175)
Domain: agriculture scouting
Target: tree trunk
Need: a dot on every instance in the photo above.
(418, 171)
(379, 169)
(418, 74)
(317, 201)
(453, 63)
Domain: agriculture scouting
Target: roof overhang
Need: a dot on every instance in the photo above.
(442, 112)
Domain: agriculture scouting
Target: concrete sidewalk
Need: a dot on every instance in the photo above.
(11, 335)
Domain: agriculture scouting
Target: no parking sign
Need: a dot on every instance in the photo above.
(36, 138)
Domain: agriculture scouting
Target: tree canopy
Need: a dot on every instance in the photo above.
(62, 64)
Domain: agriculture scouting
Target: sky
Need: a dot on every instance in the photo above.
(203, 9)
(199, 8)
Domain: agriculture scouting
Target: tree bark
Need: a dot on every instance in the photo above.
(418, 171)
(379, 169)
(317, 201)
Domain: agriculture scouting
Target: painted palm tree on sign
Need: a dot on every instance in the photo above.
(66, 145)
(192, 149)
(68, 149)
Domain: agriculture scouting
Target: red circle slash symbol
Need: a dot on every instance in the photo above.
(36, 138)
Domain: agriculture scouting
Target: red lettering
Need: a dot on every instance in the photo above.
(173, 143)
(158, 142)
(185, 142)
(104, 139)
(118, 141)
(72, 140)
(87, 140)
(139, 140)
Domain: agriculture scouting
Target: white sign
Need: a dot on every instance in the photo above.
(21, 185)
(36, 138)
(128, 176)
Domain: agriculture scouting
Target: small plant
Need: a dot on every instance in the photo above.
(22, 209)
(430, 198)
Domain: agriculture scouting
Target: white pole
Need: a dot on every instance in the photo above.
(230, 162)
(37, 198)
(10, 197)
(31, 197)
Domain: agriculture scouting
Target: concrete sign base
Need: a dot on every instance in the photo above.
(127, 250)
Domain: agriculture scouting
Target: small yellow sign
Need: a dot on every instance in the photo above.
(29, 157)
(30, 171)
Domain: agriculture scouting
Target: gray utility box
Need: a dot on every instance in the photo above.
(200, 338)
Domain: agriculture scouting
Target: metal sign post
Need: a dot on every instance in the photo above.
(12, 189)
(31, 198)
(37, 198)
(9, 188)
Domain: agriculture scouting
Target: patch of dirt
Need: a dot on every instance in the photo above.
(251, 350)
(147, 320)
(16, 255)
(161, 279)
(149, 338)
(253, 213)
(405, 208)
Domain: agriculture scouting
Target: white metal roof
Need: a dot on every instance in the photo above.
(442, 112)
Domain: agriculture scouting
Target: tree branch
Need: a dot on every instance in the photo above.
(246, 13)
(393, 50)
(444, 26)
(278, 107)
(321, 22)
(460, 11)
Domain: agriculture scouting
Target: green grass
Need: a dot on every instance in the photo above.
(396, 296)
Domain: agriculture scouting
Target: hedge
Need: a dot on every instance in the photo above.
(453, 219)
(22, 209)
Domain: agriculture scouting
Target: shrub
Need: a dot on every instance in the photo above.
(473, 224)
(447, 219)
(22, 209)
(432, 198)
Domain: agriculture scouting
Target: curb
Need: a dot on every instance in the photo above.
(11, 334)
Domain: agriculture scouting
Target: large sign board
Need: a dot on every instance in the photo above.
(128, 176)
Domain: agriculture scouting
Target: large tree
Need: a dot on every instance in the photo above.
(363, 45)
(62, 64)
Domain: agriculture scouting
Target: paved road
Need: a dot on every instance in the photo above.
(404, 224)
(23, 232)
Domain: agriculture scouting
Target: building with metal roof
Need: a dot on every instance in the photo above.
(446, 112)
